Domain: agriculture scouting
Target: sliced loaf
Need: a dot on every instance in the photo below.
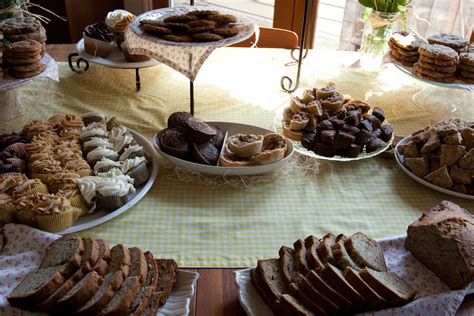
(312, 305)
(147, 290)
(286, 263)
(138, 266)
(102, 264)
(299, 256)
(311, 244)
(373, 300)
(342, 257)
(119, 304)
(365, 252)
(167, 273)
(292, 306)
(324, 249)
(324, 302)
(271, 275)
(443, 240)
(265, 292)
(66, 250)
(120, 260)
(342, 303)
(389, 286)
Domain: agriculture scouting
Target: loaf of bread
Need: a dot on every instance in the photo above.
(443, 240)
(83, 276)
(329, 276)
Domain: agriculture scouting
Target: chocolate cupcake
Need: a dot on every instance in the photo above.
(98, 39)
(173, 142)
(198, 131)
(92, 117)
(178, 120)
(217, 140)
(205, 153)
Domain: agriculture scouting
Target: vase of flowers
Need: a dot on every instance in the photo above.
(379, 17)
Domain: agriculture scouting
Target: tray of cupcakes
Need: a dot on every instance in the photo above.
(69, 173)
(325, 124)
(445, 59)
(221, 148)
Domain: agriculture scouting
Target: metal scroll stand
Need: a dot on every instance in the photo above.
(304, 43)
(78, 68)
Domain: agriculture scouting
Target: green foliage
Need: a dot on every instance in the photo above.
(387, 6)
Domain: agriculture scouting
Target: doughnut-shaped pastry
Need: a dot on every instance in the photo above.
(245, 145)
(274, 149)
(229, 159)
(299, 121)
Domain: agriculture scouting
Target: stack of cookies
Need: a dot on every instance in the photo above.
(455, 42)
(436, 63)
(404, 48)
(466, 67)
(1, 55)
(25, 59)
(195, 26)
(24, 28)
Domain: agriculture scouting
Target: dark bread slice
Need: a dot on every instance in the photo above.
(79, 294)
(141, 300)
(265, 293)
(91, 251)
(306, 300)
(325, 303)
(342, 303)
(37, 287)
(271, 275)
(373, 300)
(167, 274)
(120, 260)
(365, 252)
(119, 304)
(312, 256)
(389, 286)
(138, 265)
(286, 263)
(299, 256)
(65, 250)
(342, 257)
(104, 249)
(333, 276)
(324, 249)
(292, 306)
(103, 295)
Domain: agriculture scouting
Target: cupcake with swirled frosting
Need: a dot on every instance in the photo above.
(98, 39)
(70, 121)
(75, 198)
(37, 126)
(105, 165)
(78, 166)
(112, 195)
(7, 210)
(95, 142)
(101, 152)
(137, 169)
(132, 152)
(43, 169)
(29, 187)
(93, 130)
(62, 181)
(118, 21)
(54, 212)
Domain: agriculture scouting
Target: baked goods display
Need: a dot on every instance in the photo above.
(25, 38)
(83, 276)
(444, 58)
(443, 240)
(330, 124)
(443, 155)
(118, 20)
(194, 26)
(75, 166)
(328, 276)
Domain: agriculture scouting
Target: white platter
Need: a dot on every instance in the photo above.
(88, 221)
(116, 59)
(401, 162)
(179, 301)
(231, 128)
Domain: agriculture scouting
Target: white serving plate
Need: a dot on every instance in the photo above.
(116, 59)
(401, 162)
(231, 128)
(88, 221)
(179, 302)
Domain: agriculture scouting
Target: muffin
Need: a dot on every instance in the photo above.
(24, 213)
(205, 153)
(178, 120)
(137, 169)
(173, 142)
(198, 131)
(98, 39)
(118, 20)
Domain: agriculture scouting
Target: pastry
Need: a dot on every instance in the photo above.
(136, 169)
(132, 58)
(273, 149)
(229, 159)
(98, 39)
(245, 145)
(118, 20)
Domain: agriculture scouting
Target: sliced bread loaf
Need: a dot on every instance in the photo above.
(102, 264)
(120, 260)
(333, 276)
(313, 306)
(267, 295)
(342, 303)
(290, 305)
(324, 249)
(271, 275)
(119, 304)
(342, 257)
(167, 273)
(365, 252)
(311, 244)
(325, 303)
(66, 250)
(37, 286)
(373, 300)
(286, 263)
(138, 265)
(445, 229)
(299, 257)
(146, 292)
(389, 286)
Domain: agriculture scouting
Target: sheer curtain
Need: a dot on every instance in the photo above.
(427, 17)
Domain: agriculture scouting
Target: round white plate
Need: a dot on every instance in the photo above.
(303, 151)
(401, 162)
(231, 128)
(116, 59)
(88, 221)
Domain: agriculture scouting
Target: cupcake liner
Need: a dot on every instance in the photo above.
(17, 162)
(96, 47)
(139, 174)
(136, 154)
(18, 148)
(7, 213)
(119, 38)
(78, 201)
(42, 176)
(39, 188)
(85, 173)
(106, 169)
(93, 162)
(110, 203)
(26, 217)
(59, 221)
(11, 174)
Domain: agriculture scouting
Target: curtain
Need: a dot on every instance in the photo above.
(426, 17)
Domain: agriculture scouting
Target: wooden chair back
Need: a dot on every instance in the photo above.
(271, 38)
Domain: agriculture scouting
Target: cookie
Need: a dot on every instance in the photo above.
(28, 68)
(180, 18)
(449, 40)
(199, 23)
(444, 80)
(206, 37)
(437, 51)
(201, 29)
(403, 62)
(201, 13)
(467, 59)
(39, 35)
(226, 31)
(438, 62)
(20, 25)
(402, 51)
(26, 46)
(397, 55)
(23, 61)
(23, 75)
(465, 67)
(448, 69)
(467, 74)
(432, 73)
(223, 18)
(466, 80)
(179, 38)
(25, 55)
(156, 29)
(406, 41)
(178, 27)
(153, 22)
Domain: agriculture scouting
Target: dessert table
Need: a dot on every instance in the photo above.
(212, 224)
